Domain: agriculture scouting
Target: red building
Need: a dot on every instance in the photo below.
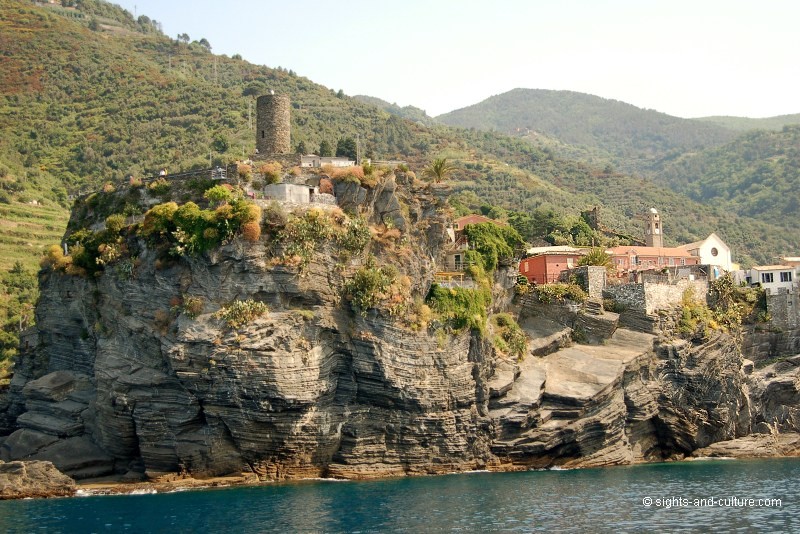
(632, 258)
(545, 264)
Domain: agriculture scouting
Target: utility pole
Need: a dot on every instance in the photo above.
(215, 70)
(250, 113)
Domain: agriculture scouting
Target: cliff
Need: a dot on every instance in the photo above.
(120, 376)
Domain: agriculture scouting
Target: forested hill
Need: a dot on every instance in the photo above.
(756, 175)
(744, 124)
(406, 112)
(618, 129)
(90, 95)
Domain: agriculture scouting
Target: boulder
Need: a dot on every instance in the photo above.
(36, 479)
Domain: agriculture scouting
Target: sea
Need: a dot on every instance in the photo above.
(691, 496)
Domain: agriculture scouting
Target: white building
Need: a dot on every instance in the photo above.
(711, 251)
(773, 278)
(312, 160)
(300, 194)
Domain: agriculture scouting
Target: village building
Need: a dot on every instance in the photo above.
(773, 278)
(633, 258)
(544, 265)
(314, 161)
(711, 251)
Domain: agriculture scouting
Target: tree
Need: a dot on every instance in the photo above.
(94, 25)
(325, 149)
(220, 143)
(346, 148)
(301, 148)
(183, 37)
(205, 44)
(598, 257)
(439, 170)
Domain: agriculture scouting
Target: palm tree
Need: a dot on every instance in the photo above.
(438, 170)
(599, 257)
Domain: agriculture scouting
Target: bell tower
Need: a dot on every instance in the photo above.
(653, 231)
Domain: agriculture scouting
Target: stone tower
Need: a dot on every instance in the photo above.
(273, 127)
(653, 231)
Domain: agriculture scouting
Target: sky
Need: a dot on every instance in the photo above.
(691, 58)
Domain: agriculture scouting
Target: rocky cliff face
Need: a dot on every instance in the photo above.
(114, 380)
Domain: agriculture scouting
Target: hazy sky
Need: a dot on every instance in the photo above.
(686, 58)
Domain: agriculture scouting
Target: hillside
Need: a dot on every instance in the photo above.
(406, 112)
(756, 175)
(124, 100)
(629, 135)
(745, 124)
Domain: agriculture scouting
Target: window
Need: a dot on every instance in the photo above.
(683, 261)
(766, 278)
(786, 276)
(714, 252)
(527, 266)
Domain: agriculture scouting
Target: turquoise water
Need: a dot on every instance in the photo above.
(593, 500)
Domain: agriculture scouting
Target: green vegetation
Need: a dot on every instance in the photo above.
(439, 170)
(461, 307)
(18, 295)
(493, 243)
(608, 127)
(107, 109)
(242, 312)
(508, 337)
(299, 236)
(597, 257)
(548, 293)
(726, 308)
(369, 285)
(191, 230)
(757, 175)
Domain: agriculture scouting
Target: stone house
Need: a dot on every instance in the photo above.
(544, 265)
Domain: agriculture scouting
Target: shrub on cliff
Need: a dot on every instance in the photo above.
(191, 230)
(461, 307)
(509, 337)
(242, 312)
(369, 285)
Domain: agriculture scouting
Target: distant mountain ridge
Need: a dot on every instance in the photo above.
(411, 113)
(744, 124)
(619, 129)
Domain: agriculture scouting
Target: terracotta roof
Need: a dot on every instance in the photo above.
(676, 252)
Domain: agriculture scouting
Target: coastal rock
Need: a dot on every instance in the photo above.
(754, 446)
(118, 379)
(36, 479)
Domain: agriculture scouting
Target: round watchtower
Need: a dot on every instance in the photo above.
(273, 127)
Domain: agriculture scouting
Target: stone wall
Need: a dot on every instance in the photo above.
(273, 126)
(783, 308)
(629, 296)
(660, 296)
(591, 278)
